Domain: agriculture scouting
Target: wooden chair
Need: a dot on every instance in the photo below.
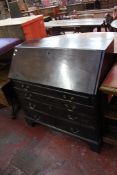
(15, 10)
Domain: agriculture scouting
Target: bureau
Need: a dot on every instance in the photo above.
(56, 80)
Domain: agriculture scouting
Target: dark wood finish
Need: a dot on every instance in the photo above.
(60, 90)
(59, 113)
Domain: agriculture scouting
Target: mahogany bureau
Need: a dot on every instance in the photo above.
(56, 80)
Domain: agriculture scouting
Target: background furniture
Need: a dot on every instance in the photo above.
(114, 25)
(100, 13)
(15, 11)
(108, 3)
(6, 50)
(86, 16)
(3, 9)
(109, 89)
(49, 11)
(76, 25)
(25, 28)
(31, 11)
(83, 5)
(18, 10)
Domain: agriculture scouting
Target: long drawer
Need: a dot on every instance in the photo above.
(77, 130)
(58, 103)
(60, 94)
(74, 117)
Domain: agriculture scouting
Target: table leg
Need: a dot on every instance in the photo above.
(76, 29)
(99, 29)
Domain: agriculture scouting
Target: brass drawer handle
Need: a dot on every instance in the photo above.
(74, 132)
(66, 105)
(31, 106)
(72, 98)
(70, 106)
(27, 88)
(22, 85)
(64, 96)
(70, 110)
(27, 95)
(70, 117)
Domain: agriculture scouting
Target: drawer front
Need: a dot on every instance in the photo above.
(40, 98)
(62, 104)
(72, 97)
(73, 117)
(63, 125)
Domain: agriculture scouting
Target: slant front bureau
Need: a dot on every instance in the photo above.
(56, 80)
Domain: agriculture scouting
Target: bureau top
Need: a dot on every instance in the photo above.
(87, 41)
(72, 62)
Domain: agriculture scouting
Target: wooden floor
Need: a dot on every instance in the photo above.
(26, 150)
